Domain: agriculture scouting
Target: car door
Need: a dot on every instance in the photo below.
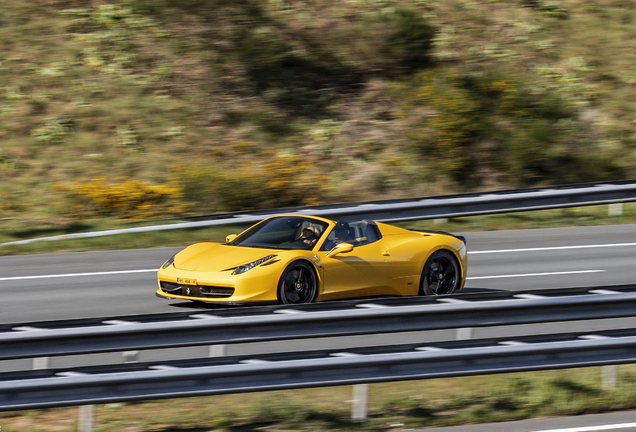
(365, 271)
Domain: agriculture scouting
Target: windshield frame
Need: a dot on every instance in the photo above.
(284, 231)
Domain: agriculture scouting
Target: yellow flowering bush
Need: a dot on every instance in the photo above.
(130, 200)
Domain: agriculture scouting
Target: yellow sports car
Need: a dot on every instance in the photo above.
(301, 259)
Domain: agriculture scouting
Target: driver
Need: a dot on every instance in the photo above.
(309, 236)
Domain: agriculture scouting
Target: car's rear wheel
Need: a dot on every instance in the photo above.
(441, 274)
(298, 284)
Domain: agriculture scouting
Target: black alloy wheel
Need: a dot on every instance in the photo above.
(440, 275)
(298, 284)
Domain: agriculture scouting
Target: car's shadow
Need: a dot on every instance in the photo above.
(202, 305)
(478, 291)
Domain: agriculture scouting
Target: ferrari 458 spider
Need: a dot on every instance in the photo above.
(301, 259)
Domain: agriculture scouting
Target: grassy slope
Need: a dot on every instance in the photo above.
(264, 104)
(412, 404)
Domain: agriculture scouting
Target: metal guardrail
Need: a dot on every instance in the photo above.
(418, 208)
(247, 375)
(202, 329)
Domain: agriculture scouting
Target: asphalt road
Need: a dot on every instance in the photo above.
(113, 283)
(624, 421)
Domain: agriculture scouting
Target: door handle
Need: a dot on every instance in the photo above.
(386, 253)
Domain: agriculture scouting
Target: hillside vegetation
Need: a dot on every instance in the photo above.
(162, 108)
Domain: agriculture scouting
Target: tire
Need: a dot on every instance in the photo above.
(440, 275)
(298, 284)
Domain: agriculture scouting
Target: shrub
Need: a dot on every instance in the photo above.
(54, 131)
(129, 139)
(131, 200)
(209, 190)
(553, 8)
(532, 131)
(464, 107)
(110, 32)
(281, 181)
(411, 40)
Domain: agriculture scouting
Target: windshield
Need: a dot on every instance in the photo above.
(285, 232)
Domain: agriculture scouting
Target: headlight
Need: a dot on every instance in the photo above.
(168, 263)
(245, 267)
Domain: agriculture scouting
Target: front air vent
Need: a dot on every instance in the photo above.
(217, 292)
(170, 287)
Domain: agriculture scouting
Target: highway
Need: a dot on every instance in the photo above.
(117, 283)
(113, 283)
(624, 421)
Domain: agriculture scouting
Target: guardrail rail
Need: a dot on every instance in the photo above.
(111, 383)
(35, 340)
(159, 381)
(409, 209)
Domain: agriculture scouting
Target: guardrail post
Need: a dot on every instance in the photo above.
(130, 356)
(464, 333)
(615, 209)
(359, 403)
(85, 423)
(40, 363)
(217, 351)
(608, 377)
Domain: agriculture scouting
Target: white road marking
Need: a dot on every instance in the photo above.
(603, 291)
(592, 428)
(529, 296)
(77, 274)
(27, 328)
(345, 354)
(204, 316)
(163, 367)
(534, 274)
(119, 322)
(551, 248)
(594, 337)
(70, 374)
(451, 300)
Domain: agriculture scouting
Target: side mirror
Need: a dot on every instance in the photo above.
(229, 238)
(339, 249)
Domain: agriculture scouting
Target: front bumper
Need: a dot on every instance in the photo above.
(217, 287)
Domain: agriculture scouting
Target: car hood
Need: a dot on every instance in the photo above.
(209, 257)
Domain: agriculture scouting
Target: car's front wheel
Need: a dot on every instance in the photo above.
(441, 274)
(298, 284)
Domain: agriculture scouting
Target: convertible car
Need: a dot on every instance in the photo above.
(301, 259)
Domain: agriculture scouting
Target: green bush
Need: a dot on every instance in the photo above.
(533, 133)
(411, 40)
